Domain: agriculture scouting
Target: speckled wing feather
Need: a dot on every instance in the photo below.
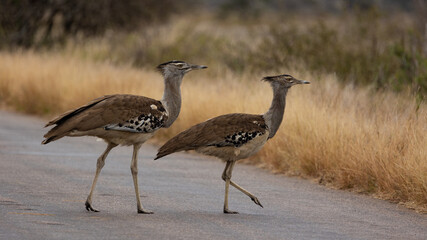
(113, 112)
(226, 130)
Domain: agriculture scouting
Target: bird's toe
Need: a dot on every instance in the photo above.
(143, 211)
(257, 202)
(89, 207)
(226, 211)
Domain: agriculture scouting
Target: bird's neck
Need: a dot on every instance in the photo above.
(172, 97)
(274, 116)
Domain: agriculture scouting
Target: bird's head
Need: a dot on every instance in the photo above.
(176, 67)
(284, 80)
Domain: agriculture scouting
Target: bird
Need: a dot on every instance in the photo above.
(123, 119)
(235, 136)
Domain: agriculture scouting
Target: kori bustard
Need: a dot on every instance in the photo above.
(123, 119)
(235, 136)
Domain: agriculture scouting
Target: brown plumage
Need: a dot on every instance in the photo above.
(235, 136)
(124, 119)
(216, 132)
(110, 109)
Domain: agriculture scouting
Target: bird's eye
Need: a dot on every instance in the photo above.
(179, 64)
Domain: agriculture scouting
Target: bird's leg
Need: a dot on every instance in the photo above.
(134, 170)
(253, 198)
(99, 164)
(226, 176)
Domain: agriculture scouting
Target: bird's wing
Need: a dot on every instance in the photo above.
(226, 130)
(63, 117)
(114, 112)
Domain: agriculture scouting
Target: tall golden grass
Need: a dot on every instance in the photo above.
(343, 136)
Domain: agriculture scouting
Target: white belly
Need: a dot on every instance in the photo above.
(252, 147)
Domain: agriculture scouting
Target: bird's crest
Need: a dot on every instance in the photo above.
(277, 77)
(160, 66)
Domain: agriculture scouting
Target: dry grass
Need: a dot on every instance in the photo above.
(344, 136)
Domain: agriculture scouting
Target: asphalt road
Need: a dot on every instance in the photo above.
(43, 190)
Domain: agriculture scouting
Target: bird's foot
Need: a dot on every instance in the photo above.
(230, 212)
(256, 201)
(89, 207)
(143, 211)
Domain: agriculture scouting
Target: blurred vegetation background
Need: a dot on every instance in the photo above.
(380, 43)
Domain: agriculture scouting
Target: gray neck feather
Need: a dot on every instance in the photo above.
(172, 96)
(273, 117)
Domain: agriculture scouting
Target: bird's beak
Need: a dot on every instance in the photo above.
(195, 67)
(303, 82)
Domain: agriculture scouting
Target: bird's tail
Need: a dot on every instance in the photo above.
(48, 140)
(175, 144)
(63, 126)
(51, 139)
(52, 135)
(163, 151)
(184, 141)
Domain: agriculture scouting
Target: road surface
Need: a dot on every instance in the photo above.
(43, 190)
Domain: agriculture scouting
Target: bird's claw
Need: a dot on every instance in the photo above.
(89, 207)
(142, 211)
(256, 201)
